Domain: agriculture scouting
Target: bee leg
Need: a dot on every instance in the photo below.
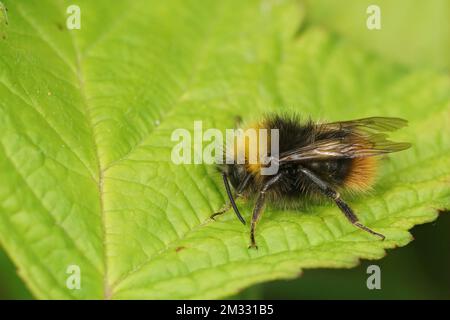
(350, 215)
(232, 203)
(259, 208)
(342, 205)
(228, 205)
(225, 208)
(257, 211)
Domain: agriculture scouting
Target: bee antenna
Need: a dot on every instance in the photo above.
(230, 196)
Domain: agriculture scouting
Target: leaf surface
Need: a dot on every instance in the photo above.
(86, 118)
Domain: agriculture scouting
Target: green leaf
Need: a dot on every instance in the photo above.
(86, 118)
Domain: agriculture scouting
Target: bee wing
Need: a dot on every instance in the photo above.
(335, 148)
(365, 138)
(378, 124)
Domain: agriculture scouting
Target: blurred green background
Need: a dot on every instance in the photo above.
(416, 34)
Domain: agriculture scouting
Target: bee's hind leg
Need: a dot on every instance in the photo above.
(343, 206)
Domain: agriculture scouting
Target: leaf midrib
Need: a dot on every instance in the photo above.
(100, 172)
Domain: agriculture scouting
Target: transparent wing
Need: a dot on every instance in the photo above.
(378, 124)
(361, 138)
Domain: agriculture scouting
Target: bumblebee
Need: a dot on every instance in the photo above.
(315, 161)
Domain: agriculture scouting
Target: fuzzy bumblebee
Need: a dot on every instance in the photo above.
(316, 160)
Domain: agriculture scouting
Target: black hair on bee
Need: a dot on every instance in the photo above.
(316, 160)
